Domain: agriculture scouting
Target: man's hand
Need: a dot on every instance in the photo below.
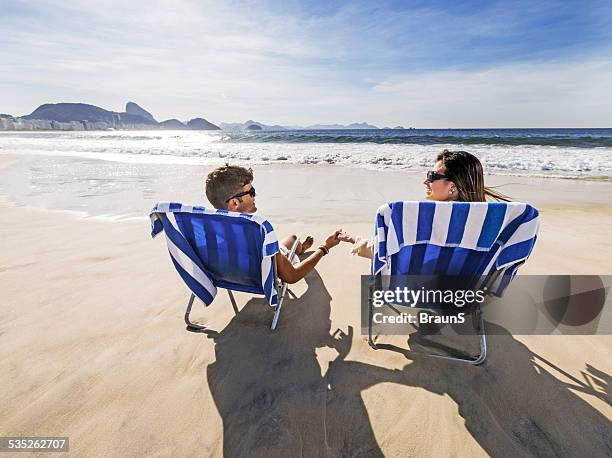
(291, 274)
(333, 239)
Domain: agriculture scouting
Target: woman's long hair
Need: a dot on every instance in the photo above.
(465, 170)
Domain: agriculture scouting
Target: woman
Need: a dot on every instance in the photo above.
(456, 175)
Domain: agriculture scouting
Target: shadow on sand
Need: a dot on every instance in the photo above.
(274, 401)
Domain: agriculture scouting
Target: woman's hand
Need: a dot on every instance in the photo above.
(346, 237)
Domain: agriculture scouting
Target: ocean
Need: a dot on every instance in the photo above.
(123, 173)
(565, 153)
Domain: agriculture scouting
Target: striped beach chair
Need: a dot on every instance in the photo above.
(213, 249)
(481, 241)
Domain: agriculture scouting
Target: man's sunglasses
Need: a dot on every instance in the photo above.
(250, 192)
(433, 176)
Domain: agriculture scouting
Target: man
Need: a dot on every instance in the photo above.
(230, 187)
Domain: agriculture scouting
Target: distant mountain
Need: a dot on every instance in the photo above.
(172, 124)
(201, 124)
(325, 127)
(237, 126)
(361, 126)
(127, 118)
(135, 109)
(83, 116)
(67, 112)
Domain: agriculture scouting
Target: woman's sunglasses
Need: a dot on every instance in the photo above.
(250, 192)
(433, 176)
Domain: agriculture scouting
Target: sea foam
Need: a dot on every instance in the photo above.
(208, 148)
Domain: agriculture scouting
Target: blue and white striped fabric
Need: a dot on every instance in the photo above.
(218, 248)
(454, 238)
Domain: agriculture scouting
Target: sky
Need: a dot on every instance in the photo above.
(423, 64)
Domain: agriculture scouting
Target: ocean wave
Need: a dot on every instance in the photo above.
(409, 138)
(197, 148)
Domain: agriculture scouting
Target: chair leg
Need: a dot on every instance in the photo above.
(281, 295)
(277, 309)
(370, 318)
(472, 361)
(283, 288)
(477, 361)
(191, 325)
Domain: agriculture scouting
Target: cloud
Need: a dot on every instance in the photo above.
(560, 94)
(302, 63)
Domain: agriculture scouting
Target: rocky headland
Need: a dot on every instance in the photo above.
(82, 116)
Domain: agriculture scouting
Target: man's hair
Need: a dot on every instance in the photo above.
(225, 181)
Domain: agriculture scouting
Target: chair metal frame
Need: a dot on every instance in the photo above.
(475, 312)
(279, 285)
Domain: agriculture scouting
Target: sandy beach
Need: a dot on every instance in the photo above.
(349, 114)
(93, 345)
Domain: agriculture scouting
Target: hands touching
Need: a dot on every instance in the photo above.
(346, 237)
(332, 240)
(337, 237)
